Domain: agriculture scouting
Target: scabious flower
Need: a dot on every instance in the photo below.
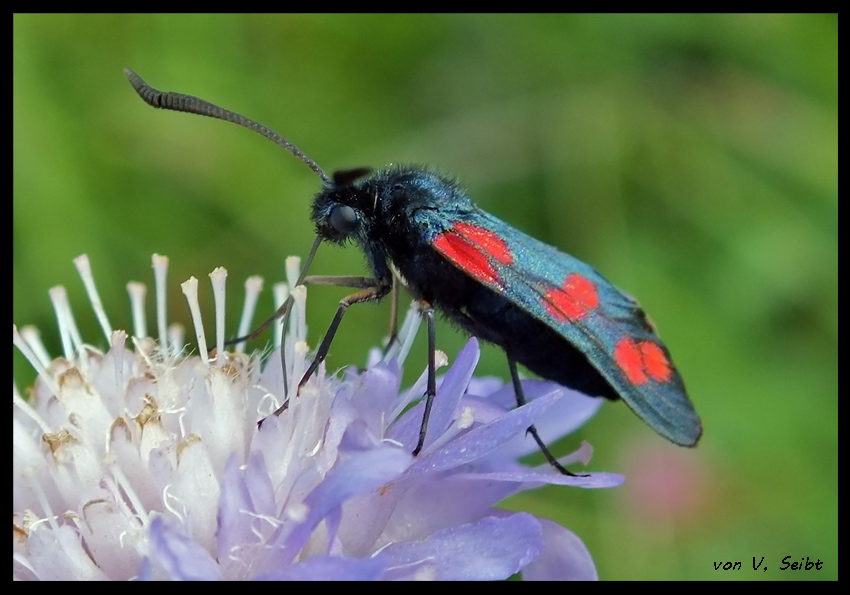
(147, 462)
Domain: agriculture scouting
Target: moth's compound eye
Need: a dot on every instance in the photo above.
(343, 219)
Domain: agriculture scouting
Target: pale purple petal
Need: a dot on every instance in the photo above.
(365, 517)
(566, 417)
(181, 557)
(145, 571)
(489, 549)
(405, 430)
(260, 484)
(360, 472)
(330, 568)
(332, 523)
(485, 385)
(483, 439)
(429, 505)
(451, 390)
(358, 436)
(234, 510)
(241, 522)
(376, 391)
(483, 410)
(564, 558)
(550, 475)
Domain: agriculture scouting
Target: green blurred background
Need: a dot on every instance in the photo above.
(691, 159)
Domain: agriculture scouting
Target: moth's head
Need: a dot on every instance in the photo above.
(344, 205)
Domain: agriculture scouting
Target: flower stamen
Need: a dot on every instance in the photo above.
(84, 268)
(71, 340)
(138, 292)
(160, 273)
(253, 287)
(218, 278)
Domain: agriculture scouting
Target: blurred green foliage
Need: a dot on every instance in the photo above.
(691, 159)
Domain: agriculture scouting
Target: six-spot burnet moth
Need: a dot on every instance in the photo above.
(547, 310)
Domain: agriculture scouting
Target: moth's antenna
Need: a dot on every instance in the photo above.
(179, 102)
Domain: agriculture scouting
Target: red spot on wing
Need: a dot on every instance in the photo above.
(629, 359)
(486, 241)
(641, 361)
(655, 361)
(467, 256)
(573, 300)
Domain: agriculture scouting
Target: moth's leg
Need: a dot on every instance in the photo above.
(369, 294)
(338, 281)
(428, 314)
(343, 281)
(373, 290)
(520, 401)
(282, 311)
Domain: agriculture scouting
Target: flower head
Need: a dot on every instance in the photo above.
(143, 461)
